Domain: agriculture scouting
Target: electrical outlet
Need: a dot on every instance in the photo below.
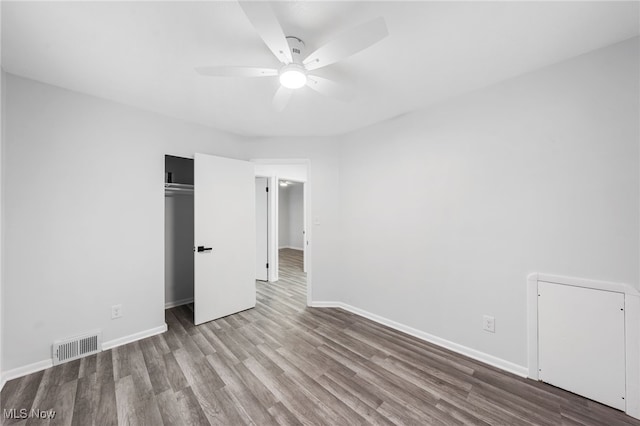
(116, 311)
(489, 323)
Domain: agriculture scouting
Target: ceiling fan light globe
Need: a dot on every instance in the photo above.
(293, 77)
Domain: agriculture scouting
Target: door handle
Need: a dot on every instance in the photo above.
(203, 249)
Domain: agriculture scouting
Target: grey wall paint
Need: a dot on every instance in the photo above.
(283, 216)
(324, 248)
(178, 249)
(84, 206)
(290, 216)
(537, 174)
(296, 216)
(468, 197)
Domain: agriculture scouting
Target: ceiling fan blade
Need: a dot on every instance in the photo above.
(264, 20)
(347, 44)
(330, 88)
(237, 71)
(281, 98)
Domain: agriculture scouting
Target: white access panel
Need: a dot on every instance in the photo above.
(581, 341)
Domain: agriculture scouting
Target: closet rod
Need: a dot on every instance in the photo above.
(178, 186)
(178, 189)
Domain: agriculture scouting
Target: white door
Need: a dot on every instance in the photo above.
(262, 246)
(225, 237)
(581, 341)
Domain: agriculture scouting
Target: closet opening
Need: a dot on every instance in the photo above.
(178, 232)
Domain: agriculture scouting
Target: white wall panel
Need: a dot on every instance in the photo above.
(581, 341)
(456, 204)
(84, 214)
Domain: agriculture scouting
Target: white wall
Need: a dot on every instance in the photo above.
(296, 171)
(446, 211)
(84, 214)
(431, 219)
(291, 216)
(324, 235)
(275, 169)
(283, 217)
(296, 216)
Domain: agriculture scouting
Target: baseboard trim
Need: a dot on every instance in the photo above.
(48, 363)
(315, 304)
(25, 369)
(290, 247)
(134, 337)
(180, 302)
(500, 363)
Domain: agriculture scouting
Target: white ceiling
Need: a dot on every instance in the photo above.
(144, 53)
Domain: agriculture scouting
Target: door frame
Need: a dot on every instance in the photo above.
(269, 236)
(295, 170)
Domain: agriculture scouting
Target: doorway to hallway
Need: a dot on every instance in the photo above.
(286, 184)
(291, 288)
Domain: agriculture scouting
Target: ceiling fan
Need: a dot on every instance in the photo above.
(296, 67)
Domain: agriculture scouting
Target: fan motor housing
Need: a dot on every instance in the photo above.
(297, 47)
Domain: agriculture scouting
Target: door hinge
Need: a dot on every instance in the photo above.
(267, 266)
(267, 189)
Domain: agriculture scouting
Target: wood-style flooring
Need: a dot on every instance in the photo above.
(283, 363)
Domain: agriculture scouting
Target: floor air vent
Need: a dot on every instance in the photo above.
(76, 347)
